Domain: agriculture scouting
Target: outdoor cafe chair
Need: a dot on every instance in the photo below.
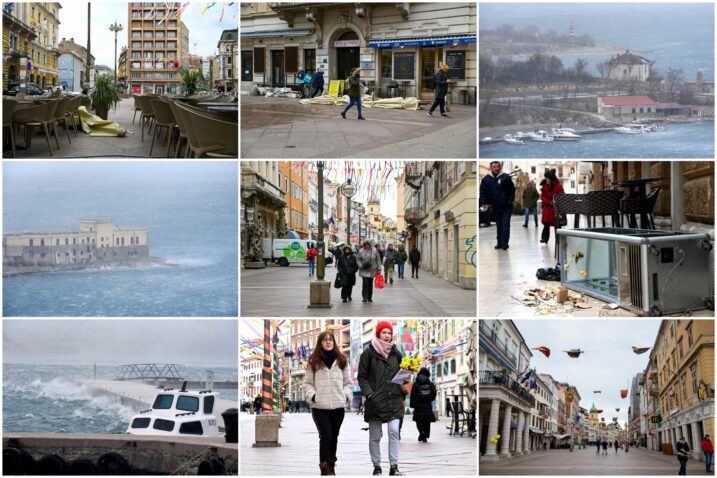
(64, 107)
(147, 116)
(630, 207)
(40, 115)
(182, 127)
(602, 203)
(73, 110)
(208, 137)
(137, 108)
(210, 113)
(8, 109)
(164, 120)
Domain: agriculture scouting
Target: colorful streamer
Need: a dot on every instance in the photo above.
(207, 7)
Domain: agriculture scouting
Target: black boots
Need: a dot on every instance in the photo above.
(377, 471)
(394, 471)
(324, 467)
(332, 468)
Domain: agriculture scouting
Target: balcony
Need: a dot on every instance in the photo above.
(15, 52)
(504, 381)
(254, 184)
(654, 390)
(414, 215)
(496, 342)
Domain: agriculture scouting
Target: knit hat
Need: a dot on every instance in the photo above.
(383, 325)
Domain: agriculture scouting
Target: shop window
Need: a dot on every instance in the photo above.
(310, 59)
(246, 62)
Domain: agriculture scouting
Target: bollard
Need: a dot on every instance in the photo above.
(230, 416)
(266, 431)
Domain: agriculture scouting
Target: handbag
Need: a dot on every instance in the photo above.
(561, 220)
(337, 282)
(379, 281)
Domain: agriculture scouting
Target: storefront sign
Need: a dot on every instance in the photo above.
(404, 65)
(347, 43)
(335, 86)
(456, 61)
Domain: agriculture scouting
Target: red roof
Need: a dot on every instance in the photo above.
(627, 100)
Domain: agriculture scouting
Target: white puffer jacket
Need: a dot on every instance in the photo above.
(328, 389)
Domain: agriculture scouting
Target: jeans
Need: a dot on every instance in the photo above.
(328, 424)
(367, 288)
(414, 270)
(683, 466)
(708, 461)
(502, 222)
(353, 100)
(527, 215)
(375, 432)
(401, 267)
(439, 102)
(312, 267)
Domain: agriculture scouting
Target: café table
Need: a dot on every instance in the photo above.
(638, 188)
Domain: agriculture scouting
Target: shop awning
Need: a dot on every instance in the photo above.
(562, 437)
(424, 41)
(295, 32)
(537, 430)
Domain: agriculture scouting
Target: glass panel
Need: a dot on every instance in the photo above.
(590, 263)
(164, 425)
(430, 57)
(141, 422)
(163, 402)
(191, 428)
(208, 404)
(188, 404)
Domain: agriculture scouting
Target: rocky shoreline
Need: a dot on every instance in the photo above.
(11, 271)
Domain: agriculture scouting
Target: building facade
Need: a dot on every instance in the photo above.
(71, 71)
(96, 241)
(394, 44)
(440, 201)
(227, 59)
(158, 43)
(294, 183)
(70, 47)
(629, 67)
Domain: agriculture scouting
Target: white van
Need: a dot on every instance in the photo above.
(286, 251)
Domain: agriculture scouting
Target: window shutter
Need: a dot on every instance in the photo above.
(259, 60)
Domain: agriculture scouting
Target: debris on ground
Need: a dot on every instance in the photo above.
(367, 101)
(611, 306)
(547, 300)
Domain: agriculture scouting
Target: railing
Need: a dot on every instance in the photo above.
(414, 214)
(487, 377)
(145, 371)
(251, 180)
(493, 337)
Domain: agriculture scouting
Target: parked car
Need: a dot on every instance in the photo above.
(31, 89)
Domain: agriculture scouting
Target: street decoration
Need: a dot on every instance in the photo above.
(640, 350)
(597, 391)
(495, 439)
(614, 419)
(617, 409)
(702, 391)
(545, 350)
(574, 353)
(623, 393)
(569, 395)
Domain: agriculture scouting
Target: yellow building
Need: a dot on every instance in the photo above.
(440, 217)
(30, 43)
(685, 367)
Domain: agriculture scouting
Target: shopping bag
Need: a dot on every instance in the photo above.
(337, 282)
(379, 281)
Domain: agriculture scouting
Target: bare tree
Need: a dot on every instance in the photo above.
(581, 69)
(603, 69)
(673, 82)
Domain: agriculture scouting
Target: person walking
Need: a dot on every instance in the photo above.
(498, 191)
(709, 451)
(311, 258)
(401, 258)
(423, 393)
(530, 203)
(379, 363)
(598, 447)
(389, 259)
(448, 408)
(257, 405)
(327, 390)
(604, 446)
(616, 445)
(369, 262)
(440, 80)
(380, 251)
(683, 454)
(318, 83)
(415, 258)
(347, 268)
(354, 91)
(550, 186)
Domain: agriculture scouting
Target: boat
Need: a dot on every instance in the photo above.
(178, 413)
(510, 139)
(565, 134)
(655, 127)
(632, 129)
(541, 136)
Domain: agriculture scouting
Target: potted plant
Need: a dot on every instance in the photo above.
(104, 96)
(191, 80)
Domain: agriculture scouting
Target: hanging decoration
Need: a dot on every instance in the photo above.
(569, 395)
(208, 6)
(495, 439)
(623, 393)
(640, 350)
(614, 419)
(545, 350)
(617, 409)
(574, 353)
(597, 391)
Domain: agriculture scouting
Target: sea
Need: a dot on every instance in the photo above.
(190, 210)
(685, 140)
(45, 398)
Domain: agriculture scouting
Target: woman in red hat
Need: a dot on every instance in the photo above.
(379, 363)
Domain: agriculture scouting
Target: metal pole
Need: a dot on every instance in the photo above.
(348, 220)
(359, 241)
(115, 57)
(320, 264)
(87, 66)
(266, 369)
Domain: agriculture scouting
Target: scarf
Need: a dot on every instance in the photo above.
(329, 358)
(383, 348)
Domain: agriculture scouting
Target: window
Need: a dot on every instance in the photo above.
(57, 242)
(683, 380)
(136, 55)
(67, 242)
(136, 35)
(188, 404)
(42, 242)
(163, 402)
(208, 404)
(171, 44)
(634, 110)
(147, 35)
(136, 65)
(259, 60)
(191, 428)
(164, 425)
(641, 110)
(159, 35)
(141, 422)
(679, 346)
(453, 366)
(688, 332)
(159, 44)
(136, 44)
(148, 44)
(31, 242)
(74, 241)
(171, 34)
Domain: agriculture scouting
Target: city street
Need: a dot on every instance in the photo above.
(284, 128)
(284, 292)
(638, 461)
(299, 451)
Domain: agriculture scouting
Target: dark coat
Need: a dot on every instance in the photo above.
(318, 79)
(546, 195)
(347, 269)
(374, 378)
(441, 81)
(682, 450)
(498, 192)
(401, 256)
(353, 86)
(530, 198)
(415, 256)
(423, 394)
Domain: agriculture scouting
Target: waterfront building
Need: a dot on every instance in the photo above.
(629, 67)
(628, 108)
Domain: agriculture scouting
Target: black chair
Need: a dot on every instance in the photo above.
(392, 86)
(630, 207)
(600, 204)
(569, 204)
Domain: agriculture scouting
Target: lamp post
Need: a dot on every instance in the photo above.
(360, 210)
(319, 289)
(348, 190)
(116, 28)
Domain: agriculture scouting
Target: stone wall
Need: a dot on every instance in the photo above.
(698, 192)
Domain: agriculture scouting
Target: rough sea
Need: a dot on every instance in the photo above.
(190, 210)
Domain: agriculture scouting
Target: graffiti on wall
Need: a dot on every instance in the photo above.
(471, 256)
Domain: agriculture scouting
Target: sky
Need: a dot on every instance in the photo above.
(205, 29)
(608, 364)
(202, 342)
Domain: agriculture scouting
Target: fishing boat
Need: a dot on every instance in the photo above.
(632, 129)
(541, 136)
(565, 134)
(510, 139)
(178, 413)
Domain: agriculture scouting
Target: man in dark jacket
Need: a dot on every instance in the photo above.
(423, 394)
(348, 267)
(530, 203)
(354, 91)
(415, 258)
(318, 83)
(498, 191)
(441, 81)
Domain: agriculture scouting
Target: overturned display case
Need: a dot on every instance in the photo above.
(648, 272)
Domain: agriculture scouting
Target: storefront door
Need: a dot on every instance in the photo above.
(158, 90)
(277, 68)
(430, 58)
(347, 60)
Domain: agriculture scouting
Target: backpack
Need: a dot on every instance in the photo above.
(551, 273)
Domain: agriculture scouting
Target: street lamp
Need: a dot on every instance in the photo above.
(319, 289)
(348, 190)
(360, 210)
(116, 28)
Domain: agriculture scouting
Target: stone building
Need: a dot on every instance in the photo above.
(629, 67)
(226, 60)
(294, 182)
(539, 425)
(504, 406)
(96, 241)
(627, 108)
(440, 217)
(70, 47)
(400, 44)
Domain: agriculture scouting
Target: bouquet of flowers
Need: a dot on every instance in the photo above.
(408, 365)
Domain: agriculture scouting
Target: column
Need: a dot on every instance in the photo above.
(697, 452)
(519, 434)
(526, 434)
(677, 183)
(490, 448)
(505, 436)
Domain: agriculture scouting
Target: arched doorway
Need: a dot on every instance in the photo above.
(347, 57)
(12, 74)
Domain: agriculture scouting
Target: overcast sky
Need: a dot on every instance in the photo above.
(608, 364)
(205, 29)
(201, 342)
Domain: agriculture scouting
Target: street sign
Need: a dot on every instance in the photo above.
(348, 189)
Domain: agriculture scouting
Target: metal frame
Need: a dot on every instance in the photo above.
(147, 371)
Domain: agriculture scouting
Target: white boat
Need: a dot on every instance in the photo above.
(565, 134)
(510, 139)
(655, 127)
(541, 136)
(632, 129)
(523, 136)
(178, 413)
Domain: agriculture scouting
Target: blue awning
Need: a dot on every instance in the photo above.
(296, 32)
(424, 41)
(494, 354)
